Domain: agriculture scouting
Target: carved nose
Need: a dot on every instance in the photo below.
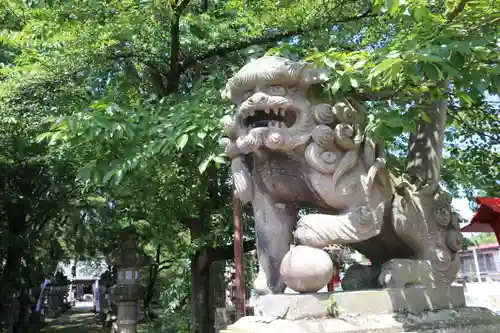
(257, 98)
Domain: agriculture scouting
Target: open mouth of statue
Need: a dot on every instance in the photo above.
(276, 118)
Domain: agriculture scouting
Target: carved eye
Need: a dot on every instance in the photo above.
(293, 89)
(276, 90)
(247, 94)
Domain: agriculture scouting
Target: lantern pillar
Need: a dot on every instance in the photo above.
(126, 291)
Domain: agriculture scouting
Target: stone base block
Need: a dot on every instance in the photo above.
(461, 320)
(226, 316)
(366, 302)
(381, 311)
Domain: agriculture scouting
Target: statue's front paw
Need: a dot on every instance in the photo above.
(311, 231)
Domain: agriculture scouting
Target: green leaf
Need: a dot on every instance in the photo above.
(328, 62)
(118, 176)
(395, 70)
(457, 60)
(182, 141)
(385, 65)
(452, 72)
(219, 159)
(354, 82)
(426, 117)
(204, 165)
(360, 64)
(465, 98)
(335, 86)
(395, 121)
(43, 136)
(108, 176)
(419, 13)
(85, 172)
(427, 58)
(432, 72)
(392, 6)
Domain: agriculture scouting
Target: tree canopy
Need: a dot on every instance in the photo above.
(109, 114)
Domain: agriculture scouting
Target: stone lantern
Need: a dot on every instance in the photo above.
(126, 292)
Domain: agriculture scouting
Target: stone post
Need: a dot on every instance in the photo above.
(126, 291)
(11, 308)
(52, 302)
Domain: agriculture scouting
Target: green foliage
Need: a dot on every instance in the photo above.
(118, 102)
(332, 309)
(484, 238)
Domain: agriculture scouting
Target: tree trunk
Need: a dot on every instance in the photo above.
(10, 285)
(203, 303)
(202, 311)
(217, 284)
(24, 305)
(426, 146)
(154, 269)
(11, 275)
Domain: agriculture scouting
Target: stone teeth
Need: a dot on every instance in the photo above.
(276, 112)
(252, 112)
(244, 114)
(282, 112)
(267, 110)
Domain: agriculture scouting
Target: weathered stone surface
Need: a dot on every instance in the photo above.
(290, 149)
(460, 320)
(359, 277)
(126, 292)
(368, 302)
(226, 316)
(306, 269)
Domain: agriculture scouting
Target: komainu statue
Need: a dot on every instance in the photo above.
(291, 150)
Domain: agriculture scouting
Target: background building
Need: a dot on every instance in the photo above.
(488, 263)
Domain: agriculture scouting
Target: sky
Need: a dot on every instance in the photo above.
(462, 206)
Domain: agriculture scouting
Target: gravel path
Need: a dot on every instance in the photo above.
(79, 319)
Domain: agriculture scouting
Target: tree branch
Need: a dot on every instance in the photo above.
(261, 40)
(165, 262)
(227, 252)
(425, 147)
(164, 267)
(180, 8)
(174, 73)
(457, 10)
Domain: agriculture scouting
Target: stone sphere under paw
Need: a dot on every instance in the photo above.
(306, 269)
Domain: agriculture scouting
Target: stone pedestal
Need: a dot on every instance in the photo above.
(126, 297)
(389, 310)
(226, 316)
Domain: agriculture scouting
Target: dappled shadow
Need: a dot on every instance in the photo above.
(77, 320)
(441, 308)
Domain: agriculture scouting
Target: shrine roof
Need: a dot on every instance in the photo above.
(488, 211)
